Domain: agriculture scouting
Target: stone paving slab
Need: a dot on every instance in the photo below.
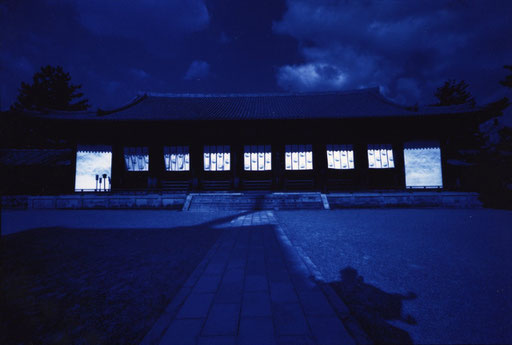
(254, 288)
(256, 303)
(182, 332)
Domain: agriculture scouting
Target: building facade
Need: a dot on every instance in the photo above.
(352, 140)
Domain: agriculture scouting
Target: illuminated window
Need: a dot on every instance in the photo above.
(177, 158)
(422, 162)
(257, 157)
(136, 158)
(93, 168)
(217, 158)
(298, 157)
(380, 157)
(340, 157)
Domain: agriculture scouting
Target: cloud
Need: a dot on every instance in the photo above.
(311, 77)
(406, 49)
(114, 50)
(198, 70)
(90, 164)
(224, 38)
(139, 73)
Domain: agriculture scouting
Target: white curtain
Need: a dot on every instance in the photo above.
(380, 156)
(177, 158)
(298, 157)
(340, 157)
(257, 157)
(217, 158)
(94, 148)
(136, 158)
(422, 160)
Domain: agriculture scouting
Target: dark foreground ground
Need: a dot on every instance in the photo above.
(422, 276)
(89, 286)
(417, 276)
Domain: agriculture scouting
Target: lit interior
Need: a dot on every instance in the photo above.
(298, 157)
(136, 158)
(257, 157)
(217, 158)
(423, 165)
(340, 157)
(380, 157)
(177, 158)
(92, 163)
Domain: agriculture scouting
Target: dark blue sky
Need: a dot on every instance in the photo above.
(119, 48)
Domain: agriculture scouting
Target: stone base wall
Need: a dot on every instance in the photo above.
(263, 201)
(404, 199)
(244, 201)
(96, 201)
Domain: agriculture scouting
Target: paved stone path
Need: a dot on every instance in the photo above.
(252, 288)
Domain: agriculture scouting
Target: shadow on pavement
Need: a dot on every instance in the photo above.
(62, 285)
(374, 308)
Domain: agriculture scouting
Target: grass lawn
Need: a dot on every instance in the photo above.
(63, 285)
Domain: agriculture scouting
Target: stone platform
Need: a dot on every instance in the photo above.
(244, 201)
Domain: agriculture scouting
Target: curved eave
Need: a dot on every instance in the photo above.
(364, 104)
(480, 114)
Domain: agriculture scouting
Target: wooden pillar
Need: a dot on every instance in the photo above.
(196, 164)
(156, 165)
(361, 165)
(398, 155)
(443, 147)
(118, 167)
(274, 164)
(73, 166)
(235, 166)
(320, 167)
(278, 165)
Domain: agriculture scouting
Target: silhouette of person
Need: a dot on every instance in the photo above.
(373, 307)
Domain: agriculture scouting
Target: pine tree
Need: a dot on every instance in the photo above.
(50, 90)
(508, 79)
(453, 93)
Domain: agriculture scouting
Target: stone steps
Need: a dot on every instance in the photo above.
(249, 201)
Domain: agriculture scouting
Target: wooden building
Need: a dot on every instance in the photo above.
(330, 141)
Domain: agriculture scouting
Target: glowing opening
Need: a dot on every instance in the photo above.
(257, 157)
(217, 158)
(177, 158)
(298, 157)
(380, 157)
(136, 158)
(93, 168)
(340, 157)
(423, 165)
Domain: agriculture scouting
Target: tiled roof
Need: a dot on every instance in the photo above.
(364, 103)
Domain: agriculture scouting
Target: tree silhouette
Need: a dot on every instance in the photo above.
(50, 90)
(453, 93)
(508, 79)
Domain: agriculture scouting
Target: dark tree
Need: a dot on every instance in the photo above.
(508, 79)
(453, 93)
(50, 90)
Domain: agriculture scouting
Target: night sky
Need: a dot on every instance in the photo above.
(118, 49)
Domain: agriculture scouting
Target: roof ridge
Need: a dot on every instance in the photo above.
(360, 103)
(261, 94)
(384, 99)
